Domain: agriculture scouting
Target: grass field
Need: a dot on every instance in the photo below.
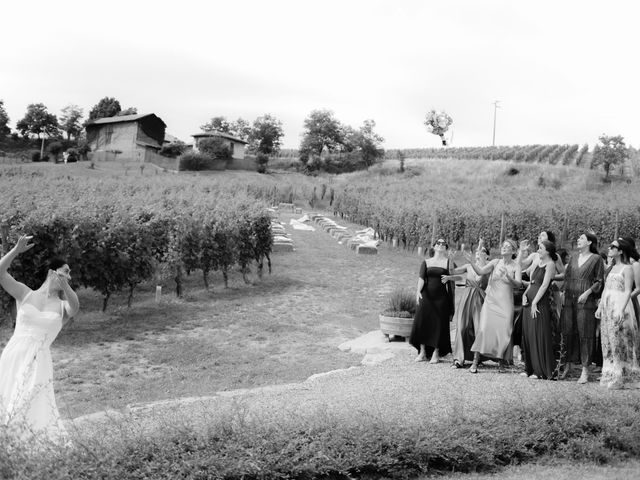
(280, 329)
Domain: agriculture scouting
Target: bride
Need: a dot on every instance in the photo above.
(27, 402)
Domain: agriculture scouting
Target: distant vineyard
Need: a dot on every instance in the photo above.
(413, 210)
(570, 155)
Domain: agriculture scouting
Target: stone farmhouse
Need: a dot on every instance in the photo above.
(235, 144)
(129, 137)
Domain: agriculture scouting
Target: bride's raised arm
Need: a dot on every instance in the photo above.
(14, 288)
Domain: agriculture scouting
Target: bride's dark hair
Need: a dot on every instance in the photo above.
(53, 263)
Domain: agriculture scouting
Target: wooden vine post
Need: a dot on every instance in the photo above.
(502, 229)
(434, 227)
(4, 237)
(617, 223)
(4, 234)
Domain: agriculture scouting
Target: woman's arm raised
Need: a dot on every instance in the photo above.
(14, 288)
(72, 304)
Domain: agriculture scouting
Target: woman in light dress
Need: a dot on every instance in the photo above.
(469, 307)
(619, 330)
(493, 337)
(27, 402)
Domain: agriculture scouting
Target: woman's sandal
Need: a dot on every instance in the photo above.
(457, 364)
(473, 369)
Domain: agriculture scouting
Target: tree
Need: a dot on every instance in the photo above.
(266, 134)
(107, 107)
(322, 131)
(219, 124)
(239, 128)
(128, 111)
(4, 121)
(70, 121)
(612, 152)
(369, 143)
(38, 120)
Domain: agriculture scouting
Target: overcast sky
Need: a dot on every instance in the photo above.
(564, 71)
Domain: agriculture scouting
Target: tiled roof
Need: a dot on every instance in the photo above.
(215, 133)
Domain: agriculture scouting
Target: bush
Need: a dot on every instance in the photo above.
(195, 161)
(35, 156)
(55, 149)
(173, 150)
(262, 160)
(73, 155)
(337, 163)
(401, 303)
(328, 446)
(83, 150)
(215, 148)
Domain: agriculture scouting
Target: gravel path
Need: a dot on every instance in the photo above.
(397, 390)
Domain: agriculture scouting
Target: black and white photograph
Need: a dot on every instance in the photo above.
(350, 240)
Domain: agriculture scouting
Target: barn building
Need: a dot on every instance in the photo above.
(127, 137)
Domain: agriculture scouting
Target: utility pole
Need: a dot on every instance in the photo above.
(495, 109)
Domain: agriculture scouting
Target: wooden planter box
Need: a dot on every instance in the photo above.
(395, 326)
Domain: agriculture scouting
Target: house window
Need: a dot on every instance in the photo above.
(108, 133)
(231, 145)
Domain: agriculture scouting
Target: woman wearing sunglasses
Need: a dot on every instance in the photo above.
(618, 327)
(435, 299)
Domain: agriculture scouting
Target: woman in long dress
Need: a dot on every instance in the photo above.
(27, 402)
(469, 306)
(583, 281)
(435, 299)
(537, 333)
(634, 260)
(619, 330)
(493, 337)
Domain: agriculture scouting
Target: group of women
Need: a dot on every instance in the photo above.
(556, 310)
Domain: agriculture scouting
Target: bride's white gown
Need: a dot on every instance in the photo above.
(27, 402)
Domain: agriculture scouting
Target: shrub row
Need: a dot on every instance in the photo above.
(113, 252)
(597, 431)
(117, 234)
(413, 210)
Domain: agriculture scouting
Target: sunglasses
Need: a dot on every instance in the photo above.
(441, 242)
(614, 246)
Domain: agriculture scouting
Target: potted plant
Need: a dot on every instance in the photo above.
(397, 318)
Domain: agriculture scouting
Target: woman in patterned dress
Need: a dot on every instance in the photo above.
(619, 330)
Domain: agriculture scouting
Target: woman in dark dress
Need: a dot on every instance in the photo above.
(537, 333)
(469, 306)
(435, 299)
(583, 282)
(516, 334)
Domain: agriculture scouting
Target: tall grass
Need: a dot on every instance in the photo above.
(332, 445)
